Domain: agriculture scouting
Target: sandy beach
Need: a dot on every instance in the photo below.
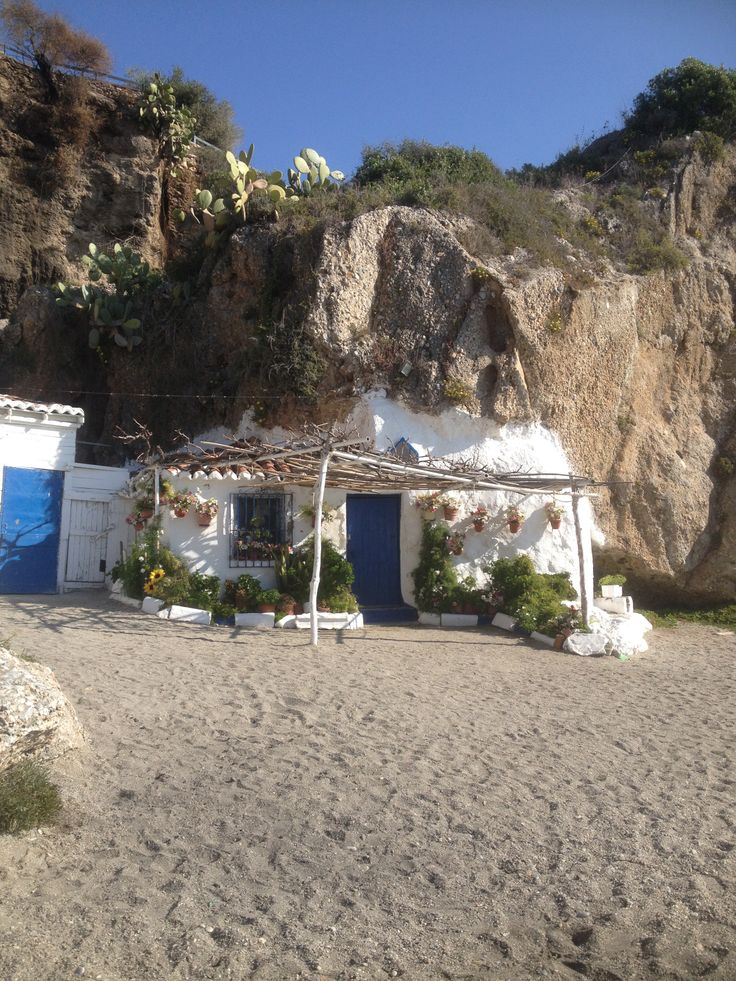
(402, 803)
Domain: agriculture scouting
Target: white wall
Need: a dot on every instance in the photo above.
(530, 448)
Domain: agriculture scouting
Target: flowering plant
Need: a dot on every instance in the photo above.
(210, 507)
(554, 511)
(427, 502)
(136, 517)
(154, 578)
(456, 542)
(514, 513)
(448, 501)
(180, 503)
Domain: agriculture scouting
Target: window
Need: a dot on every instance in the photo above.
(261, 524)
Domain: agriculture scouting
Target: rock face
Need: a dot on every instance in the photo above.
(36, 720)
(636, 375)
(53, 206)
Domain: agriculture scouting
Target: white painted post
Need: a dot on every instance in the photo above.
(318, 497)
(582, 565)
(156, 495)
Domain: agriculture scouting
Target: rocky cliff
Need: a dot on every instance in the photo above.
(636, 374)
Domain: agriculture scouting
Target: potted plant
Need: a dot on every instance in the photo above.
(479, 517)
(181, 503)
(309, 511)
(268, 600)
(286, 605)
(450, 506)
(554, 513)
(427, 504)
(136, 519)
(611, 586)
(206, 510)
(514, 518)
(456, 542)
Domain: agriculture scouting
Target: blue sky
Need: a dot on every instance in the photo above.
(522, 81)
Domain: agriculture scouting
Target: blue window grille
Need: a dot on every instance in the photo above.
(262, 524)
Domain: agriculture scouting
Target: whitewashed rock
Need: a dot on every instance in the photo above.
(430, 619)
(587, 645)
(36, 719)
(126, 600)
(503, 621)
(151, 605)
(542, 638)
(286, 623)
(459, 619)
(189, 614)
(262, 620)
(625, 633)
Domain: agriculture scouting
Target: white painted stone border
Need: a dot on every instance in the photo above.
(259, 620)
(430, 619)
(459, 619)
(503, 621)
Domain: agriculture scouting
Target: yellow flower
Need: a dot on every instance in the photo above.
(157, 574)
(148, 587)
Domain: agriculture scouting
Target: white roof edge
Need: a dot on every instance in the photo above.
(41, 408)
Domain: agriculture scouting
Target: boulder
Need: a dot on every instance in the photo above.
(36, 719)
(619, 634)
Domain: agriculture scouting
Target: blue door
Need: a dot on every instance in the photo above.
(30, 523)
(373, 548)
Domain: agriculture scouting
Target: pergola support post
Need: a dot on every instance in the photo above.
(156, 493)
(582, 564)
(319, 497)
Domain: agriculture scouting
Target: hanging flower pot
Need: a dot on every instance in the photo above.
(181, 512)
(146, 513)
(479, 517)
(450, 506)
(206, 511)
(554, 514)
(455, 543)
(181, 503)
(514, 518)
(139, 525)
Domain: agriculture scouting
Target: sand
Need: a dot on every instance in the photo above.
(403, 803)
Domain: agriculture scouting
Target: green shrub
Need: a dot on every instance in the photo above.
(417, 166)
(146, 554)
(659, 618)
(342, 601)
(269, 597)
(532, 598)
(28, 799)
(294, 572)
(649, 255)
(692, 96)
(710, 146)
(614, 580)
(434, 577)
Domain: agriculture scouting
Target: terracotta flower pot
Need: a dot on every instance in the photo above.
(266, 608)
(288, 610)
(479, 525)
(514, 526)
(252, 554)
(146, 513)
(555, 522)
(450, 513)
(181, 512)
(203, 520)
(139, 525)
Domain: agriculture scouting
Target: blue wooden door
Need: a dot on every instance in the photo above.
(373, 523)
(30, 523)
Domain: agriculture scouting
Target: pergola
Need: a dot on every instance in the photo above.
(328, 458)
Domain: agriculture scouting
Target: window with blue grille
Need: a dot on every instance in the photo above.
(261, 527)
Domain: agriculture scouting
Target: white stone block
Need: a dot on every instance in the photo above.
(503, 621)
(611, 592)
(286, 622)
(151, 604)
(163, 614)
(542, 638)
(331, 621)
(615, 604)
(189, 614)
(262, 620)
(459, 619)
(430, 619)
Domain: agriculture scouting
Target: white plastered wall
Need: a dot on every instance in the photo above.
(529, 448)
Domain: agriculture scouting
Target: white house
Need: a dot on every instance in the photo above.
(56, 516)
